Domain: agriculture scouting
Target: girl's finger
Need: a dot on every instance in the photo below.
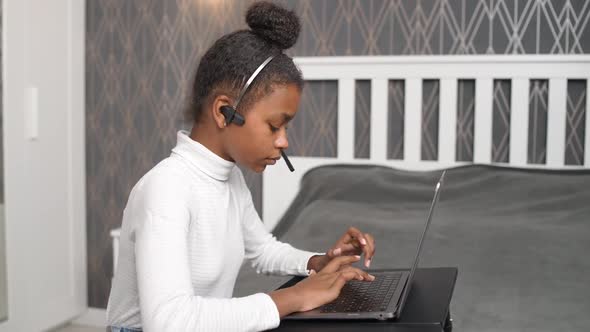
(354, 233)
(366, 276)
(361, 237)
(370, 252)
(335, 264)
(342, 278)
(347, 249)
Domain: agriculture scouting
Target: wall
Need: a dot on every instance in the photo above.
(3, 291)
(141, 55)
(1, 119)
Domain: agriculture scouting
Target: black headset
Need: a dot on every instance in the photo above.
(231, 114)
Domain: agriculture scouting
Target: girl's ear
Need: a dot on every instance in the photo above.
(218, 102)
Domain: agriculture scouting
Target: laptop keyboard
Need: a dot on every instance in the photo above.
(364, 296)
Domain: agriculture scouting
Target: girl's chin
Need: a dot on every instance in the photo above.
(257, 168)
(260, 169)
(260, 165)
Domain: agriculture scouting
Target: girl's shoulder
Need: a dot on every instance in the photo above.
(166, 179)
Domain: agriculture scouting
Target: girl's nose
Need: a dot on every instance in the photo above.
(282, 142)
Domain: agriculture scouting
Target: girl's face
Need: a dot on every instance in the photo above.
(258, 142)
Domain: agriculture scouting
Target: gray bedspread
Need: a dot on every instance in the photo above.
(520, 238)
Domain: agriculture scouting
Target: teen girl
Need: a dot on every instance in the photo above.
(190, 222)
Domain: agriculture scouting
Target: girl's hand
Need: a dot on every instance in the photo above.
(353, 242)
(325, 286)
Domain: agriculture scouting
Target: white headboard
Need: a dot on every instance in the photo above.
(280, 186)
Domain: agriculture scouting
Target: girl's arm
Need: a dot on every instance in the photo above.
(166, 296)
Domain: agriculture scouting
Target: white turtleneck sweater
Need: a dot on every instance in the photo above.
(187, 227)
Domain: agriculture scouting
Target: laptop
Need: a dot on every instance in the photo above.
(383, 298)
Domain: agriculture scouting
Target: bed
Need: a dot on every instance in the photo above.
(517, 231)
(519, 237)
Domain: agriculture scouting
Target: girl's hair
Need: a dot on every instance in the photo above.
(231, 60)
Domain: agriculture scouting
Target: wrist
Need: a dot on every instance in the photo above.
(317, 262)
(287, 301)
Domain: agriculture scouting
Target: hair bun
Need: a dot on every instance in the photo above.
(274, 24)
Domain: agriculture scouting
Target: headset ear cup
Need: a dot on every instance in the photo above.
(228, 112)
(238, 119)
(231, 115)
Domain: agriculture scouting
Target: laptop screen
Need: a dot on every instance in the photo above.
(413, 270)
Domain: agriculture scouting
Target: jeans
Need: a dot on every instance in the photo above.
(122, 329)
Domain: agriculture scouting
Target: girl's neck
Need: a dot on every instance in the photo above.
(209, 138)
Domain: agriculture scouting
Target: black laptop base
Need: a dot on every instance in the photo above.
(426, 309)
(362, 299)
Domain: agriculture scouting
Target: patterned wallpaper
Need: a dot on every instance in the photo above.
(348, 27)
(141, 54)
(362, 121)
(465, 117)
(501, 121)
(395, 121)
(430, 101)
(575, 119)
(315, 133)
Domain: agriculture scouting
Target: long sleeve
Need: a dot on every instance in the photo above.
(265, 252)
(166, 296)
(185, 234)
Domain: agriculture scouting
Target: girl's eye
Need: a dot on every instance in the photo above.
(273, 129)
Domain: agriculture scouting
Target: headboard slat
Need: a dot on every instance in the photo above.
(413, 120)
(447, 120)
(482, 128)
(346, 118)
(519, 121)
(379, 94)
(556, 117)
